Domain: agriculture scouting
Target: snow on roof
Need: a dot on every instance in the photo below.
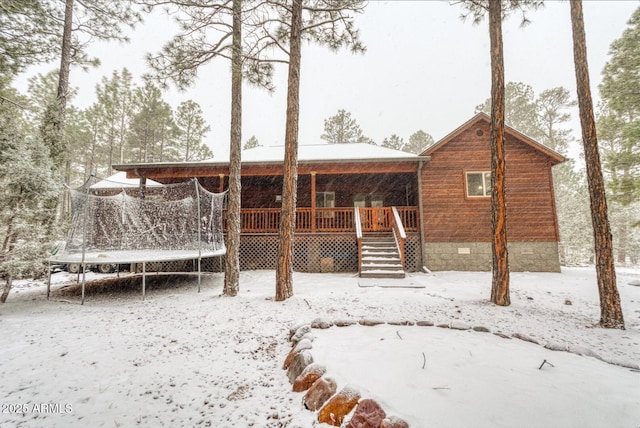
(325, 152)
(119, 180)
(319, 152)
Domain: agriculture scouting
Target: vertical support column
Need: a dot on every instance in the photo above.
(144, 277)
(313, 202)
(143, 186)
(49, 282)
(198, 229)
(83, 263)
(423, 251)
(220, 183)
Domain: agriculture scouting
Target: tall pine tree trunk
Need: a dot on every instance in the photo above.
(6, 289)
(59, 151)
(500, 265)
(610, 309)
(54, 119)
(284, 264)
(7, 244)
(232, 265)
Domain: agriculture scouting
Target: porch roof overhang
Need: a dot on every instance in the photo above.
(172, 170)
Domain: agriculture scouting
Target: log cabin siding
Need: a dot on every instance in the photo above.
(451, 216)
(396, 189)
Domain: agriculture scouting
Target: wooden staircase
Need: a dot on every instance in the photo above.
(380, 256)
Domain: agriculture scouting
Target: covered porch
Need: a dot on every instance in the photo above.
(329, 191)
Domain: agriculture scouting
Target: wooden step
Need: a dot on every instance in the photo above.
(380, 257)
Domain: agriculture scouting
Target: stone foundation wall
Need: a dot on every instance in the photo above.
(476, 256)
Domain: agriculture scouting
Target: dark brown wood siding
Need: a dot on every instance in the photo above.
(449, 216)
(396, 189)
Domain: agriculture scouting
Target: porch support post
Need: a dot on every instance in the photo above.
(313, 202)
(421, 215)
(221, 183)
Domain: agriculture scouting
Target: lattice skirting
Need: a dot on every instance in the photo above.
(312, 253)
(316, 252)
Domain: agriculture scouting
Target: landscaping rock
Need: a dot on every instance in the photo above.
(339, 406)
(344, 323)
(443, 326)
(459, 325)
(368, 414)
(525, 338)
(424, 323)
(502, 335)
(295, 327)
(581, 350)
(310, 336)
(635, 282)
(320, 323)
(370, 322)
(300, 346)
(300, 333)
(309, 375)
(481, 329)
(299, 363)
(622, 363)
(393, 422)
(318, 394)
(553, 346)
(405, 322)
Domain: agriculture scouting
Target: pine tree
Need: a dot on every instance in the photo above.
(26, 189)
(192, 129)
(251, 143)
(29, 34)
(419, 141)
(520, 108)
(153, 130)
(327, 23)
(394, 142)
(342, 129)
(113, 103)
(179, 63)
(500, 261)
(619, 136)
(610, 309)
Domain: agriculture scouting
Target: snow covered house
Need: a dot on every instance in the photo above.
(379, 211)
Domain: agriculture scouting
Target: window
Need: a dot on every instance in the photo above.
(360, 200)
(478, 184)
(325, 200)
(377, 200)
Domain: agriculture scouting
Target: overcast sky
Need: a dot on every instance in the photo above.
(424, 68)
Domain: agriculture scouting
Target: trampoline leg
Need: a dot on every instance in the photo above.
(83, 282)
(144, 277)
(49, 282)
(198, 274)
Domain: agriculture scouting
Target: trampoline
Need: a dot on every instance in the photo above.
(136, 225)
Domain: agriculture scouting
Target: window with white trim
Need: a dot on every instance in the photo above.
(478, 184)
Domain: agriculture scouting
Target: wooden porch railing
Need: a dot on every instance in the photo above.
(398, 232)
(358, 224)
(267, 220)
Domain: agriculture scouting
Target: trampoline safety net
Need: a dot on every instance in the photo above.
(169, 222)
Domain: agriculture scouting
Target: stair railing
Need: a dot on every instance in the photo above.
(398, 232)
(358, 226)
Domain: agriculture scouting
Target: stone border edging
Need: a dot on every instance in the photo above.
(333, 407)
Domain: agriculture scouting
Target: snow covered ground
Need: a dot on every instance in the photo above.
(182, 358)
